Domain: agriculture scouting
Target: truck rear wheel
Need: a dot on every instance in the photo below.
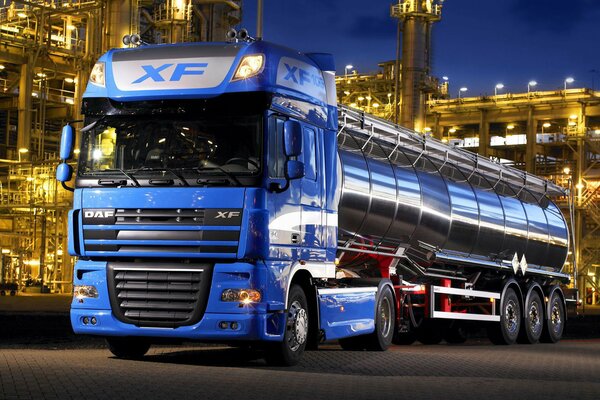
(507, 331)
(381, 338)
(554, 324)
(290, 350)
(130, 348)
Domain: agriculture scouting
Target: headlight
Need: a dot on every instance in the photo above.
(249, 66)
(245, 296)
(97, 75)
(85, 291)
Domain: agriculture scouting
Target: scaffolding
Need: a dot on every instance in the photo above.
(48, 50)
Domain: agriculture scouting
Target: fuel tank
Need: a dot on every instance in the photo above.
(397, 197)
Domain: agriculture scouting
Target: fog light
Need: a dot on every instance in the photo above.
(86, 320)
(85, 291)
(234, 325)
(93, 320)
(223, 325)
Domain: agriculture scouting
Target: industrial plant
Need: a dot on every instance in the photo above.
(48, 49)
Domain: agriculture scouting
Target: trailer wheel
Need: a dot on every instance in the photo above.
(130, 348)
(2, 293)
(430, 332)
(13, 293)
(533, 318)
(290, 350)
(555, 321)
(507, 331)
(456, 333)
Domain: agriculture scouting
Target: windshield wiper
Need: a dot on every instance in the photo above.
(173, 172)
(227, 174)
(127, 175)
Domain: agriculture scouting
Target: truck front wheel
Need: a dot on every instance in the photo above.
(131, 348)
(290, 350)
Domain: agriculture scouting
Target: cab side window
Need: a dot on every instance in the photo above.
(310, 154)
(277, 155)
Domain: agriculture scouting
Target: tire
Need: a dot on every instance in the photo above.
(554, 323)
(2, 293)
(533, 319)
(507, 331)
(128, 348)
(430, 332)
(13, 293)
(381, 338)
(289, 351)
(456, 334)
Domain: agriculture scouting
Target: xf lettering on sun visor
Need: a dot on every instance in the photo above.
(303, 77)
(175, 74)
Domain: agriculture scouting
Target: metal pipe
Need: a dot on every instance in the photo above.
(259, 19)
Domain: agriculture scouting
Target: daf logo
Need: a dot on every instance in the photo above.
(99, 214)
(227, 214)
(158, 74)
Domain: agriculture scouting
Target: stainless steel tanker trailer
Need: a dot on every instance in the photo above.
(465, 240)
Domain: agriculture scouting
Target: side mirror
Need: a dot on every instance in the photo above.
(66, 142)
(292, 138)
(294, 169)
(64, 172)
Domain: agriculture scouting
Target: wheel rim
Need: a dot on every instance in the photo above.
(297, 326)
(535, 322)
(556, 317)
(511, 317)
(385, 319)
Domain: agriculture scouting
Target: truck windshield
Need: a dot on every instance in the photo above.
(218, 149)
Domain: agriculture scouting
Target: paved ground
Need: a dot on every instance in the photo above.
(476, 370)
(40, 358)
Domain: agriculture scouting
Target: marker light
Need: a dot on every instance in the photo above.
(85, 291)
(249, 67)
(245, 296)
(97, 75)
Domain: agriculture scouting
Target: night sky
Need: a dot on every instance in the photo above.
(477, 44)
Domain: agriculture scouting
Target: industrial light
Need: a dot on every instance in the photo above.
(510, 126)
(452, 130)
(97, 75)
(376, 105)
(360, 98)
(353, 105)
(532, 83)
(76, 151)
(69, 101)
(21, 15)
(71, 27)
(427, 129)
(567, 170)
(346, 92)
(499, 86)
(249, 66)
(2, 67)
(597, 131)
(368, 98)
(23, 150)
(5, 251)
(69, 80)
(349, 66)
(573, 116)
(41, 75)
(569, 80)
(547, 125)
(445, 78)
(580, 186)
(29, 179)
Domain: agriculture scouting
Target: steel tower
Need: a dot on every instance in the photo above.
(416, 18)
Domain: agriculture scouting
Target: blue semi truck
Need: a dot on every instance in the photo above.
(222, 195)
